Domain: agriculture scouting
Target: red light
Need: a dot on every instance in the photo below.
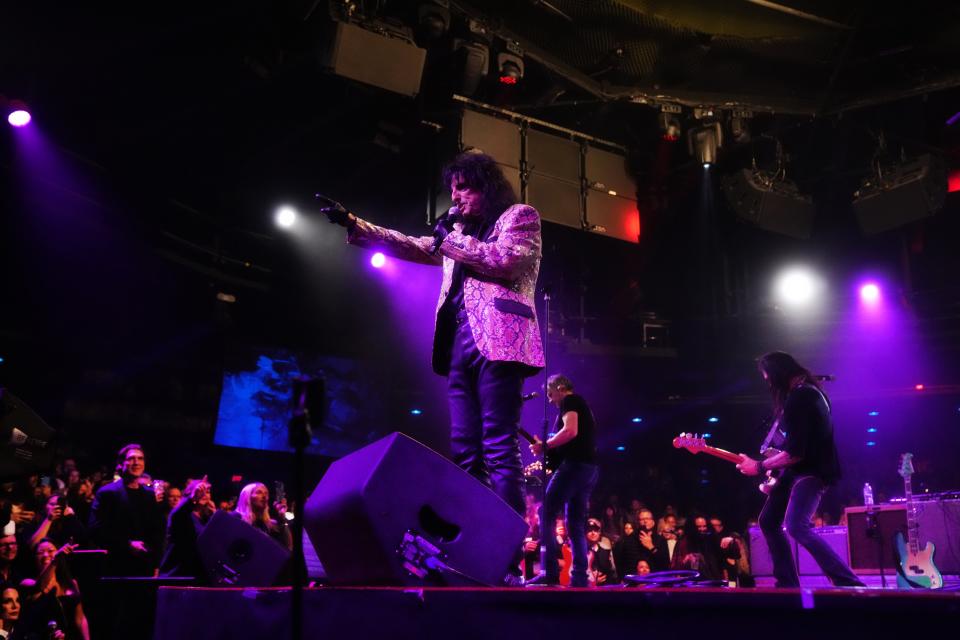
(508, 80)
(918, 387)
(670, 138)
(953, 181)
(236, 478)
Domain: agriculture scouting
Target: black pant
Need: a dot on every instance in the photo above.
(485, 402)
(793, 502)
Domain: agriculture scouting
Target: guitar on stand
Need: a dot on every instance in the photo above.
(696, 444)
(915, 567)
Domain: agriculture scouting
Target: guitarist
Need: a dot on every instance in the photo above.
(573, 449)
(809, 464)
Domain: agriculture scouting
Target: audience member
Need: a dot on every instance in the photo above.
(126, 521)
(253, 506)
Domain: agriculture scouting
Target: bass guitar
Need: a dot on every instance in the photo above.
(696, 444)
(915, 567)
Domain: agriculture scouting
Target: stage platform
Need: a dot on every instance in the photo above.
(469, 613)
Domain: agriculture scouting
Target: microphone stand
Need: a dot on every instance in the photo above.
(307, 407)
(544, 430)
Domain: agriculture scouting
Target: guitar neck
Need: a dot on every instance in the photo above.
(912, 541)
(723, 454)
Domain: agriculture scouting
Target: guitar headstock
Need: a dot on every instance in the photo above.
(691, 442)
(906, 465)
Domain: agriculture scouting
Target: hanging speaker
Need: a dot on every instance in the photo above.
(26, 441)
(397, 513)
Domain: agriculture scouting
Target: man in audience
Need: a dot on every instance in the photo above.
(602, 569)
(653, 548)
(125, 519)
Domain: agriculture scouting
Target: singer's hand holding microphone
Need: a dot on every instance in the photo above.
(443, 228)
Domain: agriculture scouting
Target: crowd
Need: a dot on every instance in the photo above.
(634, 541)
(112, 523)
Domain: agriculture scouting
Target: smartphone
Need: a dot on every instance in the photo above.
(279, 491)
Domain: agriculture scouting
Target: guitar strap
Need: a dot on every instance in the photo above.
(772, 435)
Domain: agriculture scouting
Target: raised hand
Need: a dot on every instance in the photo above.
(336, 213)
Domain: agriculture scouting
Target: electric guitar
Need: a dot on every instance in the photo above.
(552, 459)
(915, 568)
(696, 444)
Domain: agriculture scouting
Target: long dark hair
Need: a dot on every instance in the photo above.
(479, 171)
(783, 374)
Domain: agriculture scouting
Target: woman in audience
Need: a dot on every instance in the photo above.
(9, 610)
(253, 507)
(53, 596)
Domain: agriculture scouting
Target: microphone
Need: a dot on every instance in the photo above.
(451, 216)
(530, 396)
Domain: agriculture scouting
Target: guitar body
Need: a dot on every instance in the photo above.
(916, 570)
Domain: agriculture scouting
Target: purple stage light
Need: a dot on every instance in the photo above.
(378, 260)
(19, 118)
(870, 293)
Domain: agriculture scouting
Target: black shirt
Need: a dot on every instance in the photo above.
(809, 428)
(583, 448)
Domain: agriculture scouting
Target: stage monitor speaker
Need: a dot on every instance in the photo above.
(938, 521)
(868, 549)
(395, 511)
(236, 554)
(761, 564)
(26, 441)
(387, 58)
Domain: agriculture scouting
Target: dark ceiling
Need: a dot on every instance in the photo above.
(198, 117)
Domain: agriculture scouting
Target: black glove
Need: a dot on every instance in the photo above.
(440, 232)
(335, 212)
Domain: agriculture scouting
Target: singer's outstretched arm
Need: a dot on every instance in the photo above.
(514, 246)
(393, 243)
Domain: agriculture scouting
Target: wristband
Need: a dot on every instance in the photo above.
(760, 467)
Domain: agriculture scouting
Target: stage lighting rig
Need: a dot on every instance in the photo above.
(669, 120)
(510, 64)
(704, 142)
(434, 18)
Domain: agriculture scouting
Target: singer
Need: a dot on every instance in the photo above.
(809, 464)
(486, 338)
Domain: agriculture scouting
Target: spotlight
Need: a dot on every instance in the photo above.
(378, 260)
(870, 293)
(621, 448)
(285, 217)
(797, 287)
(637, 420)
(18, 115)
(704, 142)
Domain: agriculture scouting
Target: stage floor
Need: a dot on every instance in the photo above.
(467, 613)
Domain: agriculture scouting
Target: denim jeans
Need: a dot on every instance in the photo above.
(570, 486)
(793, 502)
(485, 400)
